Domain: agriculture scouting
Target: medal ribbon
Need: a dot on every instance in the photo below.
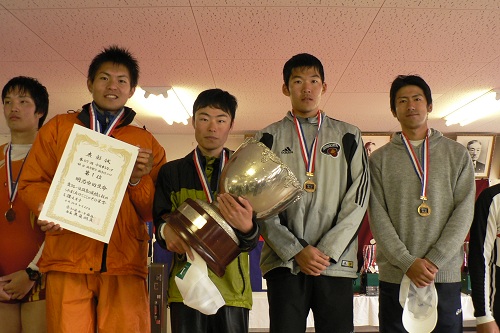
(421, 169)
(12, 186)
(202, 175)
(96, 126)
(369, 257)
(309, 156)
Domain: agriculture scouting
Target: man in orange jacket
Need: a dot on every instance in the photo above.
(91, 284)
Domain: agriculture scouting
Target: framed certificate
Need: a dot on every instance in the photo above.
(89, 184)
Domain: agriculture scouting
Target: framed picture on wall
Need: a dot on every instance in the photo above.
(480, 148)
(374, 141)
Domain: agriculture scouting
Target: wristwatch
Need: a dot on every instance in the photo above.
(33, 275)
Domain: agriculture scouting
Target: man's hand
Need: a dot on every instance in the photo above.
(312, 261)
(238, 213)
(175, 243)
(489, 327)
(422, 272)
(3, 294)
(17, 284)
(48, 226)
(143, 165)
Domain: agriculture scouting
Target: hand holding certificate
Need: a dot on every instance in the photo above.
(90, 182)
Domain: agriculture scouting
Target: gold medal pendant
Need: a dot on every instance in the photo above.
(424, 209)
(309, 186)
(10, 215)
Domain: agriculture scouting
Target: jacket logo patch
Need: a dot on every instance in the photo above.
(347, 263)
(287, 150)
(331, 148)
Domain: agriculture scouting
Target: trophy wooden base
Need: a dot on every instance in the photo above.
(201, 231)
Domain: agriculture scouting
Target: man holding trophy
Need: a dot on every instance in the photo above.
(310, 253)
(196, 177)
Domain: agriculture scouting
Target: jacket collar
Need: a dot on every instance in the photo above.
(128, 116)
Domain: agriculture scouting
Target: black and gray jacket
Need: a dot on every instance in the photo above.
(330, 217)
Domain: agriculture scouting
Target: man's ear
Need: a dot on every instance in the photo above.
(89, 85)
(285, 90)
(132, 91)
(429, 108)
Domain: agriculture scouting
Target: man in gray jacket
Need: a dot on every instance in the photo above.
(421, 208)
(310, 253)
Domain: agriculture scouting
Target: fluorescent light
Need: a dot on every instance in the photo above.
(162, 101)
(478, 108)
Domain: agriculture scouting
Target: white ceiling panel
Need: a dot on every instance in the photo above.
(192, 74)
(277, 33)
(241, 46)
(64, 78)
(448, 4)
(151, 33)
(43, 4)
(432, 35)
(19, 43)
(286, 3)
(439, 75)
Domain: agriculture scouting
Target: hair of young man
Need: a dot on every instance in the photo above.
(302, 60)
(409, 80)
(118, 56)
(217, 99)
(38, 92)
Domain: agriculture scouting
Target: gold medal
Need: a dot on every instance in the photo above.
(309, 186)
(10, 215)
(424, 209)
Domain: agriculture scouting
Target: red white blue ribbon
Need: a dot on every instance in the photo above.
(11, 185)
(96, 126)
(369, 260)
(203, 176)
(309, 156)
(421, 167)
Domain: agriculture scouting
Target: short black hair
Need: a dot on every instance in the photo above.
(216, 98)
(36, 90)
(302, 60)
(408, 80)
(118, 56)
(474, 141)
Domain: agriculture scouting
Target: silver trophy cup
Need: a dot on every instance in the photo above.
(253, 172)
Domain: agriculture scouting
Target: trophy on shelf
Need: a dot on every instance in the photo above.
(369, 270)
(253, 172)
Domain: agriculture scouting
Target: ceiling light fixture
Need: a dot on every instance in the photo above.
(164, 102)
(481, 107)
(156, 91)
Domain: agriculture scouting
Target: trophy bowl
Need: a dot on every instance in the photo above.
(257, 174)
(253, 172)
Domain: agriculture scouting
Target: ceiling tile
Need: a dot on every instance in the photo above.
(168, 31)
(432, 35)
(44, 4)
(275, 33)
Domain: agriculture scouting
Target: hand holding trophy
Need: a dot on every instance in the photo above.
(253, 172)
